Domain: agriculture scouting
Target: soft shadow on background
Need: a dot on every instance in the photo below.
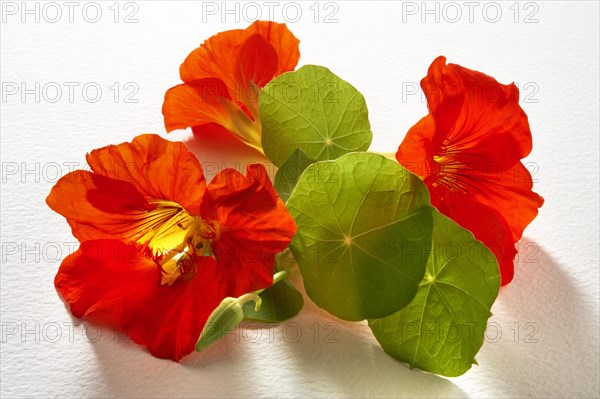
(342, 359)
(331, 355)
(556, 329)
(345, 359)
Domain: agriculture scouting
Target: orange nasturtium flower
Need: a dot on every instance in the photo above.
(223, 79)
(468, 151)
(159, 247)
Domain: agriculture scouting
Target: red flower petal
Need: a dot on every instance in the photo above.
(416, 151)
(282, 40)
(149, 267)
(112, 283)
(254, 226)
(158, 168)
(257, 61)
(96, 206)
(510, 192)
(196, 103)
(468, 151)
(216, 142)
(218, 57)
(486, 224)
(151, 209)
(478, 120)
(243, 61)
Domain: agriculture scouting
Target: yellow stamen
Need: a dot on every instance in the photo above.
(452, 173)
(172, 237)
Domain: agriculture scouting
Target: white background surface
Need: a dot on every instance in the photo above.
(556, 284)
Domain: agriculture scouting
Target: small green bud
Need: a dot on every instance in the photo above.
(224, 319)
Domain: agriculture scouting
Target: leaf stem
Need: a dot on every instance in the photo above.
(277, 277)
(251, 296)
(280, 275)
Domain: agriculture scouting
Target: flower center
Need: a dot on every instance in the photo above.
(450, 172)
(173, 238)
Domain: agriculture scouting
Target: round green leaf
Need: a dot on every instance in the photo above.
(315, 110)
(363, 234)
(443, 327)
